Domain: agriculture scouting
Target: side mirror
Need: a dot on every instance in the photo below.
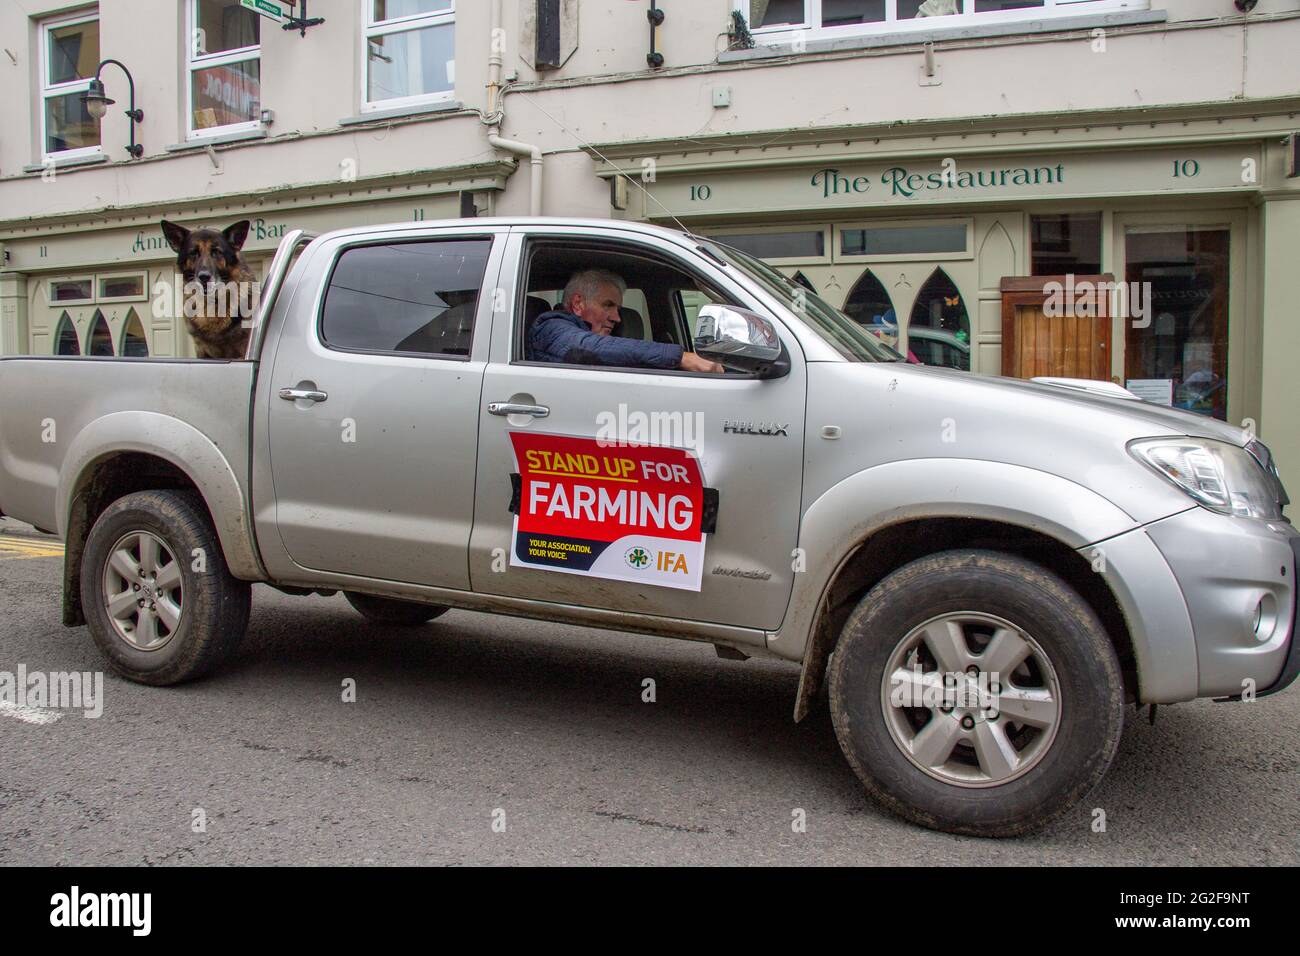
(740, 338)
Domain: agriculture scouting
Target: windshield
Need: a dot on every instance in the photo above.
(840, 332)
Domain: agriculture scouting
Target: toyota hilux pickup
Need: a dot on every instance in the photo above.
(978, 576)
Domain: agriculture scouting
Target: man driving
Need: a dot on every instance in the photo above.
(580, 331)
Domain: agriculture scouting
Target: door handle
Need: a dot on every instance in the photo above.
(512, 408)
(306, 394)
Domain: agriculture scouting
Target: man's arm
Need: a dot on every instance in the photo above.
(562, 338)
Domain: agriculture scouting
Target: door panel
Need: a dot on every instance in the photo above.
(377, 479)
(1036, 341)
(747, 574)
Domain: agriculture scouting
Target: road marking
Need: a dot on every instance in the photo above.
(11, 547)
(28, 715)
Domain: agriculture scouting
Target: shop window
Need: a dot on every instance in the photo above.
(224, 68)
(869, 305)
(410, 52)
(413, 297)
(840, 17)
(938, 331)
(1179, 355)
(65, 337)
(134, 344)
(101, 342)
(803, 244)
(69, 54)
(1065, 243)
(907, 240)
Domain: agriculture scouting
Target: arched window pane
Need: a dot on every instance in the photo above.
(101, 342)
(134, 344)
(65, 337)
(938, 332)
(869, 305)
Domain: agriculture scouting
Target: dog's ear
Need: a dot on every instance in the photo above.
(236, 234)
(176, 235)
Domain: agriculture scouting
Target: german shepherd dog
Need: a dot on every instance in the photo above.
(214, 272)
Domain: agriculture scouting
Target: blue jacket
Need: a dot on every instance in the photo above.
(560, 336)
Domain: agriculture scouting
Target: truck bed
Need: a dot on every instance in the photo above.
(48, 403)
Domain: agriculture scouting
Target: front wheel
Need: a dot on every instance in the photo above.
(977, 693)
(159, 599)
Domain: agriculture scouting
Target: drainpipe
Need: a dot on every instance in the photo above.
(495, 114)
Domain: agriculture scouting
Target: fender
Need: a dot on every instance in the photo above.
(850, 512)
(188, 449)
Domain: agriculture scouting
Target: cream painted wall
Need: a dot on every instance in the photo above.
(311, 83)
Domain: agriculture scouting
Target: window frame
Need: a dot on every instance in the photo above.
(48, 91)
(826, 229)
(968, 253)
(142, 296)
(318, 325)
(371, 28)
(195, 61)
(75, 277)
(629, 247)
(811, 29)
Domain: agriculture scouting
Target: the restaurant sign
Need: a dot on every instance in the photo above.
(956, 179)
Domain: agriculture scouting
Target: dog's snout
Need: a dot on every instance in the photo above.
(203, 277)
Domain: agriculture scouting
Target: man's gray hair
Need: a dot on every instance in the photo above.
(587, 283)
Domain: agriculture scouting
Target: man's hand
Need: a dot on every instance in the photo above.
(693, 363)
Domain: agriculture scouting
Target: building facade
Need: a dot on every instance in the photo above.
(918, 163)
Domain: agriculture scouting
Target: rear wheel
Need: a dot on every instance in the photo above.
(976, 692)
(393, 611)
(159, 600)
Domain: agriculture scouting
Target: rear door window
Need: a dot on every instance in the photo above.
(408, 297)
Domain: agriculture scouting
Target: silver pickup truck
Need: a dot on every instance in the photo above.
(979, 573)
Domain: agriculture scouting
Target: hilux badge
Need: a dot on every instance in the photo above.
(755, 428)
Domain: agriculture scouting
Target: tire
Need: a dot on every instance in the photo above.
(392, 611)
(204, 616)
(1000, 777)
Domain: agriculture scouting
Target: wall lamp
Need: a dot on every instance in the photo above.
(97, 103)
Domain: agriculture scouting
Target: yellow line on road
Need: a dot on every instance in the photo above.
(29, 548)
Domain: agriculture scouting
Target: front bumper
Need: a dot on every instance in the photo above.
(1238, 578)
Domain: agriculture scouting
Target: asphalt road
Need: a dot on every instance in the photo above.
(473, 714)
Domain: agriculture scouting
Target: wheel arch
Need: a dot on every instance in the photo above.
(904, 510)
(109, 459)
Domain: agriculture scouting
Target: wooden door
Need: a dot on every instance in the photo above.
(1046, 332)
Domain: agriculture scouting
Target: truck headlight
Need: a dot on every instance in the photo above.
(1216, 474)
